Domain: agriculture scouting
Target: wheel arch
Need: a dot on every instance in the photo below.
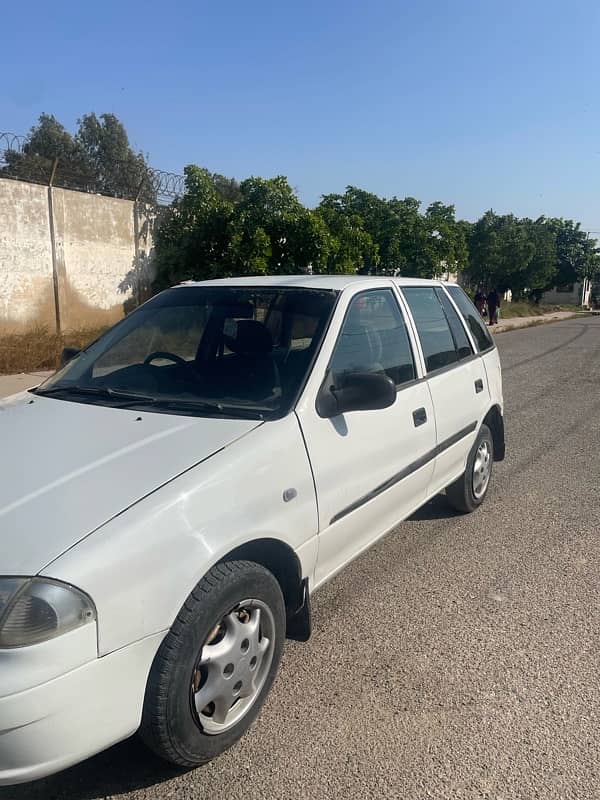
(281, 560)
(495, 422)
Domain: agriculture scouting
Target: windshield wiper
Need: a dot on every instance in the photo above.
(128, 399)
(204, 406)
(98, 391)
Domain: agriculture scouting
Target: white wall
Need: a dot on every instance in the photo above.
(571, 298)
(26, 285)
(86, 250)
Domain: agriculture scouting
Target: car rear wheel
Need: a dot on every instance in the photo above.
(469, 491)
(216, 665)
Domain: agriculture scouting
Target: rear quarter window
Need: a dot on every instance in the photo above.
(437, 342)
(472, 317)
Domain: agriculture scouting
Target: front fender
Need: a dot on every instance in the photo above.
(140, 567)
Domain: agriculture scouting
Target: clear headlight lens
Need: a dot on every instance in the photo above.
(36, 609)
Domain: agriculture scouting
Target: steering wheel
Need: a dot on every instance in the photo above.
(163, 354)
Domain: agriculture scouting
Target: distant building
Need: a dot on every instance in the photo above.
(575, 294)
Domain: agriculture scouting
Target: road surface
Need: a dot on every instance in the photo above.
(460, 657)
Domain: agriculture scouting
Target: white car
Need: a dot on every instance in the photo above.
(173, 495)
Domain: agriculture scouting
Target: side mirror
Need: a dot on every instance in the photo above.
(67, 354)
(355, 391)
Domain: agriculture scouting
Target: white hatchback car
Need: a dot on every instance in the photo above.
(172, 496)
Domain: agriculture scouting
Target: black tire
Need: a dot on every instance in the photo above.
(170, 726)
(460, 494)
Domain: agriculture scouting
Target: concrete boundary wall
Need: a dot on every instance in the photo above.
(69, 259)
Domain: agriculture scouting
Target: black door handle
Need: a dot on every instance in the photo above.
(478, 386)
(419, 417)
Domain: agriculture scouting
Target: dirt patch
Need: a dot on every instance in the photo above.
(40, 348)
(76, 313)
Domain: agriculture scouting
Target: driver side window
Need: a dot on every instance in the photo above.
(374, 338)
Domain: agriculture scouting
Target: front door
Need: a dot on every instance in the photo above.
(371, 468)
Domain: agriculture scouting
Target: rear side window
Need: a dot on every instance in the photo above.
(374, 338)
(433, 327)
(461, 340)
(473, 319)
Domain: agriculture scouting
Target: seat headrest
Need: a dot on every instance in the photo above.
(251, 339)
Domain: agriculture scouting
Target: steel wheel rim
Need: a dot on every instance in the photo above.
(233, 666)
(482, 468)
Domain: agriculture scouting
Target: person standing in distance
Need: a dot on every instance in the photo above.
(480, 299)
(493, 303)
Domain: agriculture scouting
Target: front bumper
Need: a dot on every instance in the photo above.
(71, 717)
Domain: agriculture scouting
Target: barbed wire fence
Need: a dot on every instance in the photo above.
(131, 180)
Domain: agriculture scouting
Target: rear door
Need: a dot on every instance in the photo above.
(456, 377)
(371, 468)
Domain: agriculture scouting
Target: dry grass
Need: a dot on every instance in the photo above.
(39, 349)
(512, 310)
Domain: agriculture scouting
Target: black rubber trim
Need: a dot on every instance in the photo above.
(404, 473)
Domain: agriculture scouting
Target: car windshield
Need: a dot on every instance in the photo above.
(203, 350)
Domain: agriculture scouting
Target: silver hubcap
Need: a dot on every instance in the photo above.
(482, 469)
(233, 666)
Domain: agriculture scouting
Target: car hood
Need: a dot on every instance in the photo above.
(66, 468)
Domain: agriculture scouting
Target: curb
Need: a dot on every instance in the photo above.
(533, 323)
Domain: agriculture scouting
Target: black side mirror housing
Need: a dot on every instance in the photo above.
(355, 391)
(67, 354)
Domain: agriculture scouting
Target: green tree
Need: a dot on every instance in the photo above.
(577, 254)
(118, 170)
(351, 248)
(273, 233)
(392, 236)
(194, 240)
(542, 268)
(407, 238)
(265, 231)
(227, 188)
(445, 247)
(500, 251)
(47, 141)
(98, 158)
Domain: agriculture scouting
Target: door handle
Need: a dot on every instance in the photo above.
(478, 386)
(419, 417)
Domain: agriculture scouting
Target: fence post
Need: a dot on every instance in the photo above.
(136, 242)
(58, 253)
(136, 251)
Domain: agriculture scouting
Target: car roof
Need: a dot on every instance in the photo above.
(335, 282)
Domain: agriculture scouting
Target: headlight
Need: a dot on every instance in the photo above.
(36, 609)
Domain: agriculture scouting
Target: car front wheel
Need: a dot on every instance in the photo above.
(469, 491)
(216, 665)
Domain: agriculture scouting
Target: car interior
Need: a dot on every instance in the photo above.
(253, 353)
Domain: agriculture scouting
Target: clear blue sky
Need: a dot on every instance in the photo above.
(480, 103)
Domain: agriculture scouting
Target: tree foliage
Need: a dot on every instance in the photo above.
(392, 237)
(98, 158)
(529, 256)
(222, 227)
(259, 227)
(576, 254)
(192, 242)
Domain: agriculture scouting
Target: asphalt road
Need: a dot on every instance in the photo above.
(460, 657)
